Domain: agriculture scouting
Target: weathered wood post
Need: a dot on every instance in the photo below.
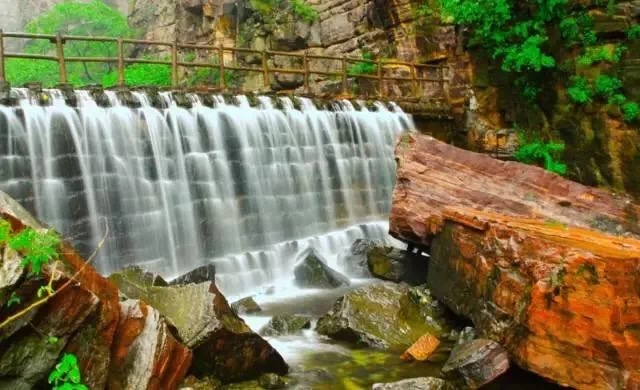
(120, 63)
(174, 64)
(344, 75)
(62, 67)
(380, 80)
(2, 75)
(305, 61)
(221, 82)
(265, 69)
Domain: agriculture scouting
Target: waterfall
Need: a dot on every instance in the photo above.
(246, 188)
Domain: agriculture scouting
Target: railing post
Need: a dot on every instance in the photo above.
(2, 75)
(265, 69)
(380, 79)
(174, 64)
(344, 75)
(60, 54)
(120, 63)
(306, 72)
(414, 80)
(221, 60)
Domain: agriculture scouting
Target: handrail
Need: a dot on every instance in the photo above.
(415, 78)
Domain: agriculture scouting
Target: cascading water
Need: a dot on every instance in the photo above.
(244, 188)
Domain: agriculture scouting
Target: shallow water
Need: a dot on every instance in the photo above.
(318, 362)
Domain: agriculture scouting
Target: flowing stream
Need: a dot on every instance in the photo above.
(245, 188)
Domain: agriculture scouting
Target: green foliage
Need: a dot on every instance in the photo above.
(634, 32)
(580, 90)
(36, 248)
(630, 111)
(14, 299)
(66, 374)
(304, 11)
(607, 86)
(363, 67)
(593, 55)
(299, 8)
(209, 76)
(617, 99)
(538, 152)
(137, 75)
(52, 340)
(93, 18)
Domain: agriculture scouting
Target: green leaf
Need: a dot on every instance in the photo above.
(14, 299)
(53, 340)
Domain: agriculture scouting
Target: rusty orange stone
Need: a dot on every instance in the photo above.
(422, 349)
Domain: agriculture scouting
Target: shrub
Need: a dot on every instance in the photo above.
(580, 90)
(630, 111)
(538, 152)
(363, 67)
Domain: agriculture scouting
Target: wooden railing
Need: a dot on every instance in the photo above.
(433, 85)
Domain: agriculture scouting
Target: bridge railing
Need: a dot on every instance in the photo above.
(427, 81)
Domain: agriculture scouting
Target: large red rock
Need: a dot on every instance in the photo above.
(548, 268)
(85, 319)
(433, 175)
(145, 353)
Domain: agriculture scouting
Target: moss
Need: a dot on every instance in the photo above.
(589, 272)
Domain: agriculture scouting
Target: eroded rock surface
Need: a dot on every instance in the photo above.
(546, 267)
(415, 384)
(477, 362)
(384, 315)
(397, 265)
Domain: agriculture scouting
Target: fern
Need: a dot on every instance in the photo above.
(538, 152)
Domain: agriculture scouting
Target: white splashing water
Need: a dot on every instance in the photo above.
(245, 188)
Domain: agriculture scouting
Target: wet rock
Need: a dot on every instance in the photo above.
(312, 272)
(478, 362)
(144, 351)
(206, 273)
(397, 265)
(355, 258)
(272, 381)
(207, 383)
(422, 349)
(415, 384)
(223, 345)
(467, 334)
(384, 315)
(134, 277)
(285, 324)
(246, 306)
(82, 317)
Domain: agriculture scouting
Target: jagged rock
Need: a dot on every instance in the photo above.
(246, 306)
(536, 269)
(134, 276)
(467, 334)
(422, 349)
(397, 265)
(145, 352)
(284, 324)
(83, 317)
(312, 272)
(384, 315)
(415, 384)
(223, 345)
(477, 362)
(206, 273)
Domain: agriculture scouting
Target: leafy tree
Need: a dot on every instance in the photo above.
(71, 17)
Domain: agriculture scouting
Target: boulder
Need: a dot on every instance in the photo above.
(135, 276)
(223, 345)
(246, 306)
(312, 272)
(206, 273)
(544, 266)
(384, 315)
(397, 265)
(415, 384)
(145, 353)
(422, 349)
(272, 381)
(285, 324)
(477, 362)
